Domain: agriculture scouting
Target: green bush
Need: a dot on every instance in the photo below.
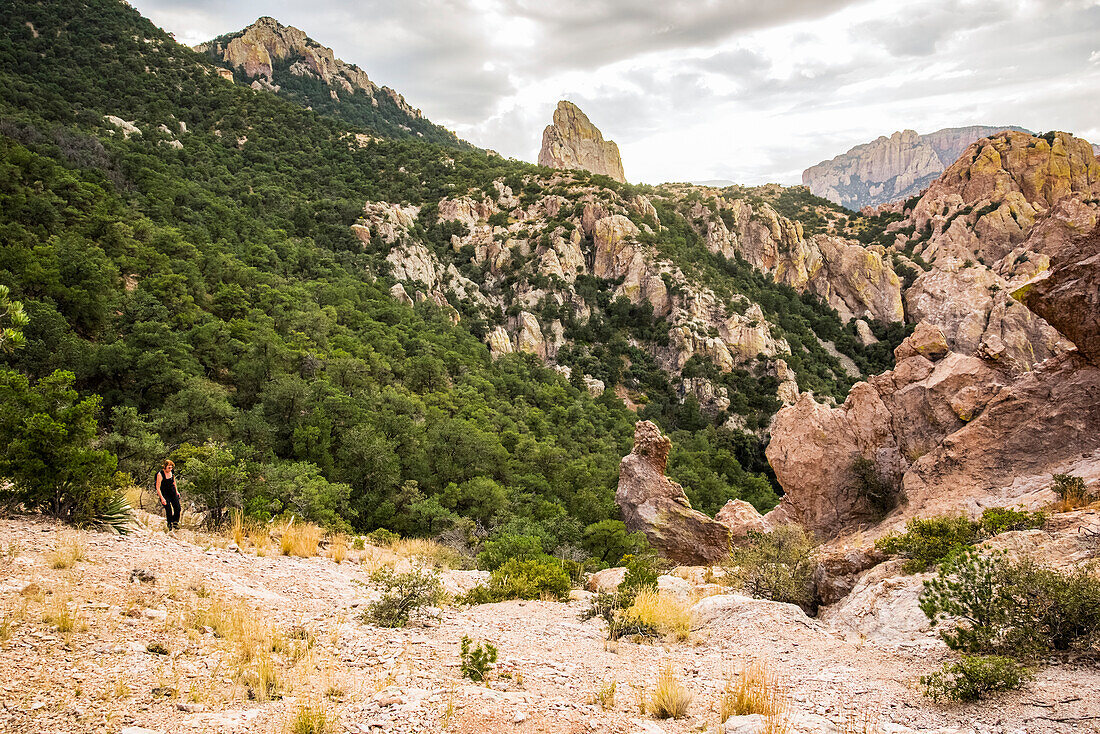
(402, 595)
(973, 677)
(642, 570)
(1071, 490)
(1013, 607)
(609, 541)
(496, 553)
(521, 578)
(776, 565)
(997, 520)
(381, 537)
(880, 495)
(476, 661)
(927, 542)
(47, 450)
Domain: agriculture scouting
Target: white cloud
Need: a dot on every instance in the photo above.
(740, 89)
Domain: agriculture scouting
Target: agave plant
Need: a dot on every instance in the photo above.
(116, 515)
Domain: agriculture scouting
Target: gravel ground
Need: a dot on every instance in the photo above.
(101, 675)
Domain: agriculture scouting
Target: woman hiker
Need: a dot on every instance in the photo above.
(169, 496)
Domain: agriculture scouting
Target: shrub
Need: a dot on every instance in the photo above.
(476, 661)
(642, 570)
(382, 537)
(1071, 492)
(47, 434)
(670, 699)
(402, 595)
(1018, 608)
(973, 677)
(997, 520)
(653, 613)
(880, 495)
(497, 552)
(927, 542)
(522, 579)
(309, 720)
(609, 541)
(776, 565)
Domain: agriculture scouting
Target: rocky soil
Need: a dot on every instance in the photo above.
(101, 676)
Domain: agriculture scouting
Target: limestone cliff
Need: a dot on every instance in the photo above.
(891, 168)
(572, 141)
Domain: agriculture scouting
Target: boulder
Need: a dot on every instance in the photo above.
(653, 504)
(607, 580)
(1068, 296)
(741, 518)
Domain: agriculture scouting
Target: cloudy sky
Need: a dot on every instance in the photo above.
(746, 90)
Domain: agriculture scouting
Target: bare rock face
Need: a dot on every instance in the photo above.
(891, 168)
(1068, 296)
(655, 505)
(954, 432)
(574, 142)
(256, 48)
(890, 420)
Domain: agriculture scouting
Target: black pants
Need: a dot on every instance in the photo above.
(172, 509)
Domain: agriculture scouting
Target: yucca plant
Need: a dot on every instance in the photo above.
(115, 516)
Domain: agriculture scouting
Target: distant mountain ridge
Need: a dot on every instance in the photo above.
(283, 59)
(892, 168)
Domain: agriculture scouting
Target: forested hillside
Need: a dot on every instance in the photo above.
(198, 273)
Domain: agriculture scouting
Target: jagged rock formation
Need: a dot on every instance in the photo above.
(891, 168)
(952, 432)
(572, 141)
(257, 47)
(858, 281)
(657, 506)
(989, 224)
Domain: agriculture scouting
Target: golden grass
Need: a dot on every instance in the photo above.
(664, 613)
(604, 696)
(757, 690)
(308, 719)
(427, 552)
(300, 539)
(6, 628)
(69, 551)
(670, 698)
(338, 548)
(236, 527)
(61, 618)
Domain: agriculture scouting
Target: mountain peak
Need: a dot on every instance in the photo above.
(572, 141)
(256, 49)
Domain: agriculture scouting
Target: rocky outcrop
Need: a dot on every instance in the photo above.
(256, 49)
(990, 223)
(572, 141)
(1068, 296)
(655, 505)
(889, 421)
(891, 168)
(952, 432)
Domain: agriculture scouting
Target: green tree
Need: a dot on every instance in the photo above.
(12, 321)
(48, 436)
(213, 476)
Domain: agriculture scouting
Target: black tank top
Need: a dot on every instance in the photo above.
(167, 484)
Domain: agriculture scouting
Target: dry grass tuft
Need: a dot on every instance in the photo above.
(861, 721)
(68, 552)
(425, 552)
(61, 618)
(605, 696)
(236, 528)
(338, 547)
(300, 539)
(309, 719)
(670, 698)
(758, 690)
(665, 614)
